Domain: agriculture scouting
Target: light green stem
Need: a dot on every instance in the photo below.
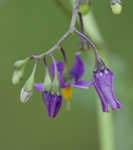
(105, 122)
(106, 130)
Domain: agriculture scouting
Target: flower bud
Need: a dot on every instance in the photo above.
(116, 8)
(25, 95)
(17, 75)
(84, 7)
(20, 63)
(27, 89)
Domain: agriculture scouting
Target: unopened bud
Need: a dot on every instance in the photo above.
(116, 8)
(17, 75)
(25, 95)
(20, 63)
(84, 6)
(27, 89)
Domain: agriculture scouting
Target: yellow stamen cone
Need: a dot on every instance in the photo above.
(67, 93)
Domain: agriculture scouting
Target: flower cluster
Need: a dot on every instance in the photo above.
(102, 81)
(59, 79)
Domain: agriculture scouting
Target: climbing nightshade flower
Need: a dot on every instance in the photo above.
(50, 92)
(75, 74)
(74, 79)
(103, 83)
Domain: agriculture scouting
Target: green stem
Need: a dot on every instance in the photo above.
(105, 129)
(105, 122)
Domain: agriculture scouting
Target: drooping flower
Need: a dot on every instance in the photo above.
(50, 91)
(103, 83)
(73, 79)
(52, 103)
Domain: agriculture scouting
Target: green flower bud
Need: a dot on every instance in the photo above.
(84, 8)
(25, 95)
(17, 75)
(116, 8)
(27, 89)
(20, 63)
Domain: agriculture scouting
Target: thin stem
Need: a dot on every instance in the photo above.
(54, 47)
(81, 22)
(81, 41)
(71, 29)
(64, 55)
(97, 57)
(35, 67)
(45, 65)
(74, 14)
(55, 67)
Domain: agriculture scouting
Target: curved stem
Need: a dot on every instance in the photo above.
(97, 58)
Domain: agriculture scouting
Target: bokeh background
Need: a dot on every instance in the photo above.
(31, 27)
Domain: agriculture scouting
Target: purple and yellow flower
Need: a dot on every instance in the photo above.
(103, 83)
(50, 91)
(73, 78)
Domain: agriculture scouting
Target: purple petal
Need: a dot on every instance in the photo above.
(52, 103)
(60, 68)
(38, 87)
(77, 69)
(103, 82)
(62, 84)
(81, 84)
(55, 107)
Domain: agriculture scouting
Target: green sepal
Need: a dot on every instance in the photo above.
(47, 82)
(55, 88)
(30, 83)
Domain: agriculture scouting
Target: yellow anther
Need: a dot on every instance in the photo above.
(67, 93)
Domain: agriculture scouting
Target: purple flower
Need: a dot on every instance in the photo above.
(75, 74)
(52, 103)
(103, 83)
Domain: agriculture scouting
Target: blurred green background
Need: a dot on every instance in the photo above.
(30, 27)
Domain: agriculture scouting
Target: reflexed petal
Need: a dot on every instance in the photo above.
(38, 87)
(102, 99)
(81, 84)
(77, 69)
(103, 82)
(60, 67)
(62, 84)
